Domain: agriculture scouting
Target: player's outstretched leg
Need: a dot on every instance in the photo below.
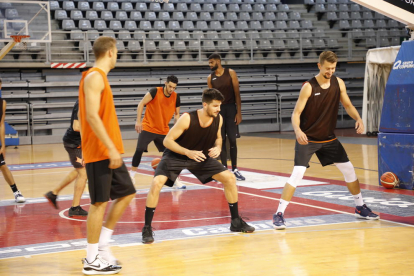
(230, 190)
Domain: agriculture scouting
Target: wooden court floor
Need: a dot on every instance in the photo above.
(354, 247)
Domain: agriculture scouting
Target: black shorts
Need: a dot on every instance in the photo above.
(2, 162)
(105, 183)
(327, 153)
(146, 137)
(172, 164)
(75, 154)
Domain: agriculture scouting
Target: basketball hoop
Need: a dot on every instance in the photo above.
(20, 41)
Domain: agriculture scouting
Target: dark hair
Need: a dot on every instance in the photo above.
(328, 56)
(102, 45)
(214, 56)
(211, 94)
(173, 79)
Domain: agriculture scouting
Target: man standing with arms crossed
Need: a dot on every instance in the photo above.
(162, 103)
(314, 121)
(102, 147)
(225, 80)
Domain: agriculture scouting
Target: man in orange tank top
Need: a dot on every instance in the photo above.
(102, 148)
(162, 104)
(314, 121)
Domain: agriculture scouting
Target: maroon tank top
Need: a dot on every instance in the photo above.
(319, 117)
(224, 84)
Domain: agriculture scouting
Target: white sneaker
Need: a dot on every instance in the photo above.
(179, 185)
(19, 197)
(99, 266)
(132, 175)
(106, 253)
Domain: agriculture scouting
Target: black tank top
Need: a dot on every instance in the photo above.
(224, 84)
(319, 117)
(197, 137)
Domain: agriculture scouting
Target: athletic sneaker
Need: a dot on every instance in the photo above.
(19, 197)
(51, 198)
(239, 225)
(147, 234)
(77, 211)
(179, 185)
(106, 253)
(132, 177)
(99, 267)
(238, 175)
(364, 212)
(279, 221)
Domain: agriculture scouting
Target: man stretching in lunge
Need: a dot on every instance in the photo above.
(193, 143)
(314, 121)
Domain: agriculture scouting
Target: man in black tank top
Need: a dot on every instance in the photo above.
(314, 122)
(225, 80)
(193, 143)
(3, 167)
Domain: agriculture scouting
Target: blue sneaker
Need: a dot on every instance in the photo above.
(363, 212)
(279, 221)
(238, 175)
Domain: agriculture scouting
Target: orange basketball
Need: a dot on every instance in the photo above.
(154, 162)
(389, 180)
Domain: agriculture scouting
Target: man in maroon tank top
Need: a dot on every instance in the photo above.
(194, 143)
(314, 121)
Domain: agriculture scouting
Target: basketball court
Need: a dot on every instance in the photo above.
(192, 235)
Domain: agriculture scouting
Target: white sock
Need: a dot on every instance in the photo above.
(91, 252)
(358, 199)
(132, 173)
(282, 206)
(105, 236)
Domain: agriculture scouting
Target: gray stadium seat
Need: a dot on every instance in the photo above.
(253, 35)
(193, 16)
(100, 25)
(127, 6)
(198, 34)
(124, 35)
(178, 16)
(265, 44)
(133, 46)
(244, 16)
(294, 16)
(231, 16)
(282, 16)
(98, 6)
(280, 34)
(306, 33)
(319, 33)
(379, 16)
(259, 8)
(356, 15)
(215, 25)
(179, 45)
(154, 6)
(226, 35)
(246, 7)
(218, 16)
(213, 35)
(331, 16)
(168, 7)
(174, 25)
(331, 7)
(184, 35)
(242, 25)
(115, 25)
(92, 35)
(274, 1)
(223, 45)
(395, 32)
(355, 7)
(271, 8)
(61, 14)
(367, 15)
(77, 34)
(268, 25)
(257, 16)
(206, 16)
(320, 8)
(371, 42)
(83, 44)
(344, 24)
(140, 35)
(237, 45)
(251, 44)
(357, 33)
(393, 24)
(201, 25)
(270, 16)
(159, 25)
(188, 25)
(306, 24)
(193, 45)
(370, 33)
(283, 7)
(150, 16)
(164, 45)
(68, 5)
(279, 44)
(369, 24)
(145, 25)
(355, 24)
(319, 43)
(266, 34)
(137, 16)
(54, 5)
(165, 16)
(208, 7)
(107, 15)
(221, 8)
(240, 35)
(113, 6)
(343, 7)
(84, 6)
(141, 7)
(208, 45)
(92, 15)
(255, 25)
(395, 41)
(294, 24)
(121, 15)
(293, 34)
(234, 7)
(195, 7)
(150, 45)
(169, 35)
(320, 1)
(332, 43)
(383, 32)
(85, 25)
(181, 7)
(281, 25)
(11, 14)
(381, 24)
(344, 16)
(228, 25)
(306, 44)
(331, 1)
(130, 25)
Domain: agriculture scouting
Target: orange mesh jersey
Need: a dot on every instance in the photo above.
(93, 150)
(159, 112)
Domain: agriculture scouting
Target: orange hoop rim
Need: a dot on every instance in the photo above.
(18, 38)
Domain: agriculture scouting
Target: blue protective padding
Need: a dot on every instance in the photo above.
(9, 130)
(398, 108)
(12, 141)
(396, 154)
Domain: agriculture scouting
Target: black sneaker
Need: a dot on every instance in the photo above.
(239, 225)
(364, 212)
(279, 221)
(52, 199)
(77, 211)
(147, 234)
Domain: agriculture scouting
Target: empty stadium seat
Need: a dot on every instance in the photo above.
(121, 15)
(344, 24)
(188, 25)
(124, 35)
(165, 16)
(307, 44)
(279, 44)
(229, 25)
(223, 45)
(355, 24)
(98, 6)
(268, 25)
(141, 7)
(184, 35)
(130, 25)
(306, 33)
(61, 14)
(168, 7)
(319, 43)
(242, 25)
(76, 35)
(344, 16)
(231, 16)
(193, 16)
(208, 7)
(164, 45)
(174, 25)
(369, 24)
(140, 35)
(244, 16)
(356, 15)
(120, 46)
(306, 24)
(195, 7)
(113, 6)
(127, 6)
(320, 8)
(234, 7)
(159, 25)
(206, 16)
(150, 16)
(357, 33)
(84, 6)
(294, 24)
(281, 25)
(193, 45)
(68, 5)
(343, 7)
(145, 25)
(283, 7)
(178, 16)
(201, 25)
(208, 45)
(85, 25)
(179, 45)
(92, 35)
(381, 24)
(115, 25)
(91, 15)
(107, 15)
(100, 25)
(150, 45)
(331, 16)
(292, 44)
(246, 7)
(255, 25)
(292, 34)
(240, 35)
(154, 6)
(54, 5)
(332, 43)
(237, 45)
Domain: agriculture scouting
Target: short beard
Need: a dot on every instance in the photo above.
(326, 77)
(214, 68)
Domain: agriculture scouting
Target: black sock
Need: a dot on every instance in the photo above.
(149, 214)
(234, 210)
(14, 188)
(233, 167)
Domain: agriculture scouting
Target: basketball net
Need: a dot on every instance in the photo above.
(19, 42)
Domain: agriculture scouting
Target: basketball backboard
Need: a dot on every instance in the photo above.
(25, 18)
